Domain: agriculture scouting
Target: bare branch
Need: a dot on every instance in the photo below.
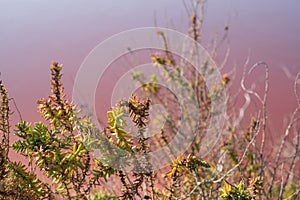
(282, 144)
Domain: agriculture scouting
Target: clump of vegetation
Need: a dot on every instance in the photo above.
(61, 147)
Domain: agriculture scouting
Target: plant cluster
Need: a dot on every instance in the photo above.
(79, 160)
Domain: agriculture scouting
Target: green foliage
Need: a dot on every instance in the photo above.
(59, 149)
(149, 87)
(117, 125)
(235, 192)
(51, 152)
(239, 191)
(191, 163)
(56, 147)
(26, 182)
(102, 196)
(61, 146)
(16, 182)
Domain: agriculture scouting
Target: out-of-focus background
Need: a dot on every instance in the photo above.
(33, 33)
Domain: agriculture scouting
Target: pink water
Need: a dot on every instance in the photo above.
(33, 33)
